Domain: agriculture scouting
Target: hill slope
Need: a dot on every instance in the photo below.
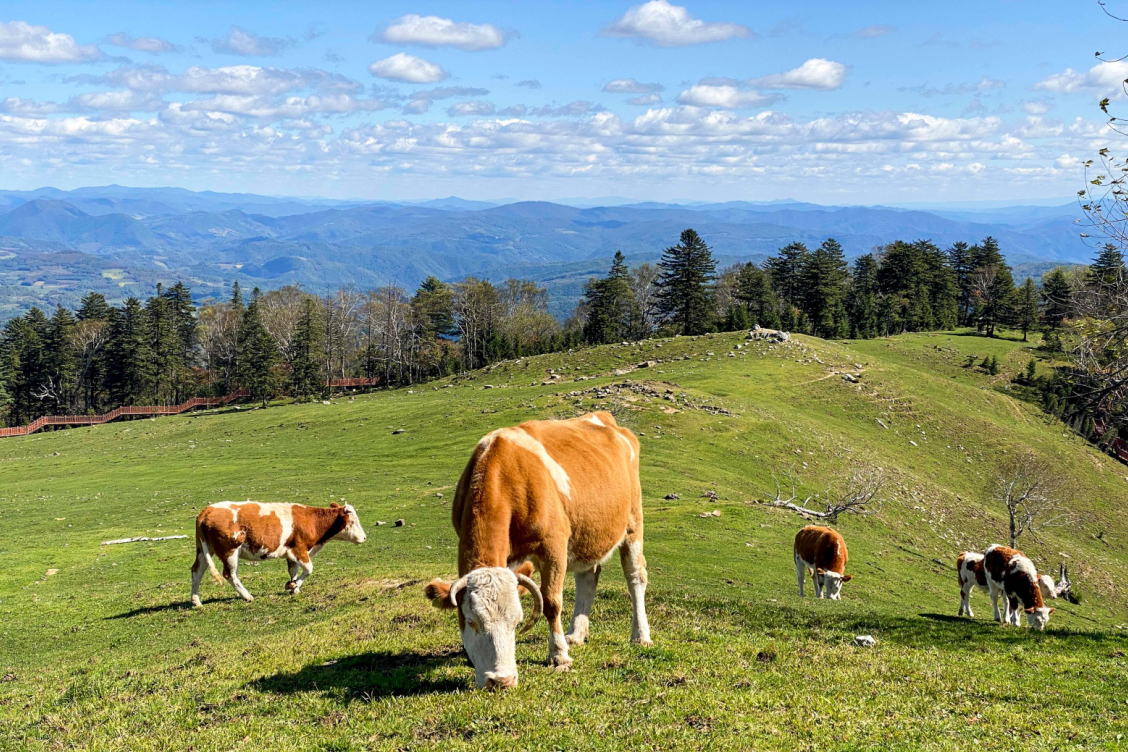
(104, 652)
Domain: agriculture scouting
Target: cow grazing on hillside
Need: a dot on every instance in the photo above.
(1046, 585)
(1010, 573)
(971, 574)
(822, 551)
(234, 530)
(557, 496)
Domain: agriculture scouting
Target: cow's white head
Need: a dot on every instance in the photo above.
(831, 583)
(352, 531)
(1038, 618)
(489, 614)
(1046, 585)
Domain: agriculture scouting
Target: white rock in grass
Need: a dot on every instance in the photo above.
(864, 641)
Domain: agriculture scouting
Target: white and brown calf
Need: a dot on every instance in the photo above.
(972, 575)
(1013, 575)
(234, 530)
(822, 551)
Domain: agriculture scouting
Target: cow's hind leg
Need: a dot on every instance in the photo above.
(800, 573)
(581, 614)
(634, 568)
(552, 590)
(199, 566)
(231, 572)
(965, 601)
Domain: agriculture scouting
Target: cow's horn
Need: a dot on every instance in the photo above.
(538, 603)
(454, 590)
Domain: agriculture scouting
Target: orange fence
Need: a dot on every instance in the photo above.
(71, 421)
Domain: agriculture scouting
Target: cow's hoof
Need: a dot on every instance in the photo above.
(560, 662)
(249, 598)
(196, 602)
(291, 586)
(647, 643)
(576, 638)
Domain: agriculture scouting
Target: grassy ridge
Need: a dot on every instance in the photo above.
(105, 655)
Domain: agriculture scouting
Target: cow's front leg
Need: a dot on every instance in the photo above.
(581, 614)
(995, 600)
(552, 590)
(231, 572)
(302, 563)
(294, 570)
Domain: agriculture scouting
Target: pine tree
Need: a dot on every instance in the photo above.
(179, 298)
(94, 307)
(258, 355)
(736, 319)
(24, 367)
(305, 368)
(1056, 297)
(130, 356)
(610, 304)
(754, 291)
(684, 288)
(786, 271)
(992, 288)
(434, 305)
(1026, 307)
(1108, 267)
(861, 298)
(824, 290)
(960, 259)
(60, 363)
(166, 348)
(237, 296)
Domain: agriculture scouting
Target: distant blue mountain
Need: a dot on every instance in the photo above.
(211, 238)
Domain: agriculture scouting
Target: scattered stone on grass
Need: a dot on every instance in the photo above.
(865, 641)
(399, 523)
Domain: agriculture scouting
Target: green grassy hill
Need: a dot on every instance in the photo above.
(105, 654)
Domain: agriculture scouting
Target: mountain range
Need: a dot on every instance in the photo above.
(57, 245)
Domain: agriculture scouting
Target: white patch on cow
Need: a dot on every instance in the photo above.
(992, 547)
(1025, 566)
(623, 439)
(528, 443)
(595, 419)
(1046, 584)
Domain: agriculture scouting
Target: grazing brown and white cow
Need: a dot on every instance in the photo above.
(1010, 573)
(969, 569)
(234, 530)
(1046, 585)
(822, 551)
(555, 495)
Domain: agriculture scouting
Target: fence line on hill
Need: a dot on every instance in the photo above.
(73, 421)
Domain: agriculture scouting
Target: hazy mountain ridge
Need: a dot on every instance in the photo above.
(211, 238)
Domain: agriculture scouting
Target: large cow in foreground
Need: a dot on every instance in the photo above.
(1010, 573)
(557, 496)
(822, 551)
(234, 530)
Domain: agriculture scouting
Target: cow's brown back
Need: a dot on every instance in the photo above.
(822, 548)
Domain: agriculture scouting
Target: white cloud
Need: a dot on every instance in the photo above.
(873, 31)
(245, 44)
(288, 108)
(29, 108)
(578, 108)
(152, 45)
(117, 101)
(728, 96)
(408, 68)
(1035, 108)
(476, 108)
(1106, 79)
(645, 99)
(1066, 162)
(668, 25)
(817, 73)
(529, 83)
(433, 31)
(447, 92)
(631, 86)
(248, 80)
(21, 42)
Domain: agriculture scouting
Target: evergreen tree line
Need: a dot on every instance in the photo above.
(900, 287)
(164, 350)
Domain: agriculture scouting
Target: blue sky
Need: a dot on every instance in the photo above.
(861, 102)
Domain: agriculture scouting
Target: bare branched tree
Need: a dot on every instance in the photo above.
(1028, 489)
(858, 497)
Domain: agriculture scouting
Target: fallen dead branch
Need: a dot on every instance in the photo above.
(141, 538)
(859, 496)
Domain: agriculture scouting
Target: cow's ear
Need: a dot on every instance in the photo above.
(334, 505)
(847, 577)
(820, 570)
(526, 569)
(438, 592)
(1052, 610)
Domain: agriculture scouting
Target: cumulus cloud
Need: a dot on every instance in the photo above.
(873, 31)
(631, 86)
(247, 80)
(409, 69)
(727, 96)
(152, 45)
(287, 108)
(645, 99)
(572, 109)
(22, 42)
(1106, 79)
(29, 108)
(471, 108)
(665, 25)
(245, 44)
(817, 73)
(434, 31)
(117, 101)
(1035, 107)
(529, 83)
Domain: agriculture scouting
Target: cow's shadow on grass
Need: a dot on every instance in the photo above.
(371, 676)
(177, 606)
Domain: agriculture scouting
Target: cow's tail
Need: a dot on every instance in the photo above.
(959, 567)
(202, 548)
